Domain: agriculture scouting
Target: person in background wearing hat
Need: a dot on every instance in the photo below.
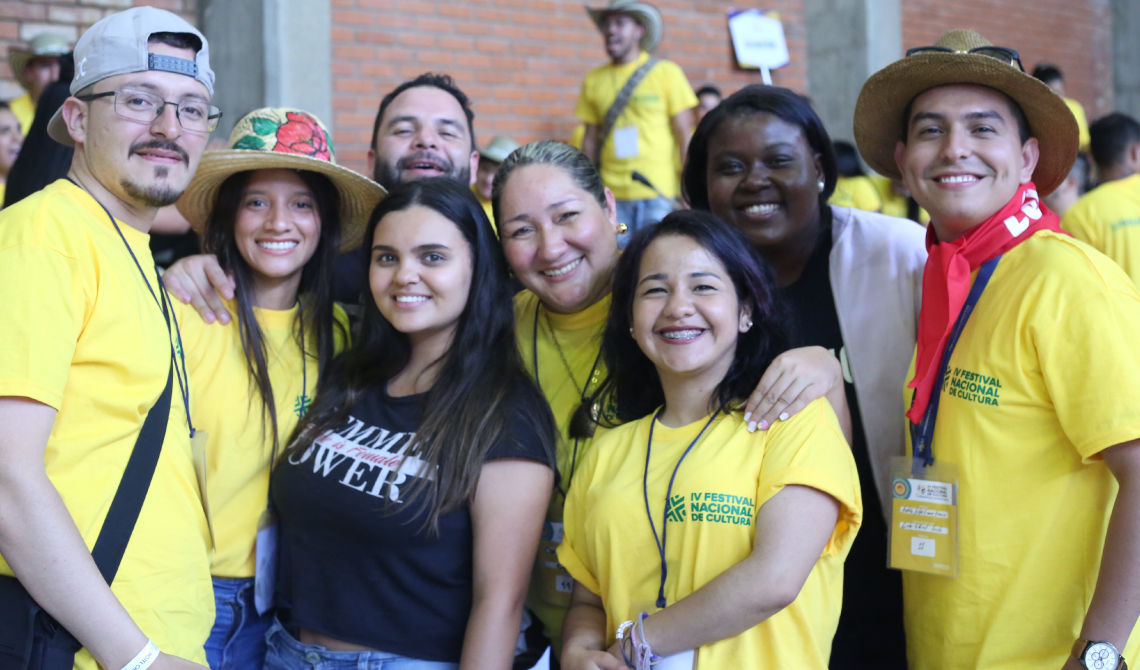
(655, 120)
(1040, 409)
(34, 68)
(87, 353)
(490, 157)
(1051, 75)
(275, 209)
(10, 140)
(1115, 147)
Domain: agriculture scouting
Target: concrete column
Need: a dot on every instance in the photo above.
(1126, 56)
(848, 41)
(269, 53)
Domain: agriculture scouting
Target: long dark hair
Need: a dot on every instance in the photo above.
(315, 312)
(632, 388)
(481, 380)
(782, 103)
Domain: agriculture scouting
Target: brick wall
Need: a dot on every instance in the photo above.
(22, 20)
(520, 61)
(1075, 36)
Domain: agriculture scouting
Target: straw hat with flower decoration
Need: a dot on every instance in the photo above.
(882, 104)
(645, 14)
(282, 138)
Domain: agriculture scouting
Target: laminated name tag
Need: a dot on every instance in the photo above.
(625, 142)
(198, 450)
(265, 572)
(555, 584)
(924, 518)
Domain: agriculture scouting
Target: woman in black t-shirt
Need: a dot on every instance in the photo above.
(411, 497)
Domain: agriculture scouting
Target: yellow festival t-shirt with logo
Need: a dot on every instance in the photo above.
(25, 111)
(661, 95)
(82, 334)
(1045, 376)
(580, 337)
(1108, 219)
(227, 406)
(856, 192)
(721, 485)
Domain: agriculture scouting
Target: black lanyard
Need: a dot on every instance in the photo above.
(922, 435)
(176, 353)
(668, 491)
(585, 388)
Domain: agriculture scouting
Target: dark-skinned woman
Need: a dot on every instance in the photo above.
(763, 162)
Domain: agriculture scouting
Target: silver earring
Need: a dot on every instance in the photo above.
(748, 325)
(822, 185)
(631, 332)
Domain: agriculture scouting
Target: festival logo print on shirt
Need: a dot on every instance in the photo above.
(367, 458)
(973, 387)
(712, 507)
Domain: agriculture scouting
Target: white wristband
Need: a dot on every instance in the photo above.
(144, 659)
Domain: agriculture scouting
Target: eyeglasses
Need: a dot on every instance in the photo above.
(147, 107)
(1007, 56)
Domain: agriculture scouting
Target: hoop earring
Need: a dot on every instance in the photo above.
(622, 229)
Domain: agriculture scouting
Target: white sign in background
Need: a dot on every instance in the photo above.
(758, 41)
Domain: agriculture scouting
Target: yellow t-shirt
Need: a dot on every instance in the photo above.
(25, 111)
(227, 406)
(1045, 376)
(580, 337)
(892, 203)
(487, 209)
(3, 189)
(722, 484)
(1108, 219)
(661, 95)
(1078, 111)
(82, 334)
(856, 192)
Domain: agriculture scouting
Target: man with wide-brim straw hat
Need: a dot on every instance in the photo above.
(491, 156)
(282, 138)
(638, 114)
(1027, 376)
(34, 67)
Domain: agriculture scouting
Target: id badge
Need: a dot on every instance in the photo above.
(924, 518)
(265, 572)
(625, 142)
(682, 660)
(555, 584)
(198, 449)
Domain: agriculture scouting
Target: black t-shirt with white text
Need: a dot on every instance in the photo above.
(356, 563)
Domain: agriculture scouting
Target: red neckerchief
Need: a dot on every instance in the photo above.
(946, 279)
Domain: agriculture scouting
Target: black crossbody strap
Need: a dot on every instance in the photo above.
(621, 101)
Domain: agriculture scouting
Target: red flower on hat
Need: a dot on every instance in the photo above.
(300, 134)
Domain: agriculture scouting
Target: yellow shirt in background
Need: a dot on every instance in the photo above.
(661, 95)
(720, 487)
(3, 189)
(1078, 111)
(856, 192)
(82, 334)
(894, 204)
(1108, 219)
(25, 111)
(580, 337)
(1045, 376)
(487, 209)
(227, 406)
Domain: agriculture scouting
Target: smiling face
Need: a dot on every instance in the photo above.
(278, 228)
(424, 133)
(621, 35)
(963, 159)
(686, 316)
(10, 141)
(146, 164)
(420, 273)
(763, 178)
(560, 243)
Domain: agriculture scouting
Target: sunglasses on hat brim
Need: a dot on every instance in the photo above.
(1007, 56)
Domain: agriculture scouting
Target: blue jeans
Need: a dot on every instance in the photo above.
(637, 214)
(237, 641)
(286, 653)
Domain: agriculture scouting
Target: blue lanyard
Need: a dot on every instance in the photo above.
(922, 435)
(668, 492)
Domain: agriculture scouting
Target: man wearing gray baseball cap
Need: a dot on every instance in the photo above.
(98, 485)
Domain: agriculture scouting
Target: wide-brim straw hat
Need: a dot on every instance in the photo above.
(645, 14)
(498, 149)
(879, 112)
(44, 44)
(282, 138)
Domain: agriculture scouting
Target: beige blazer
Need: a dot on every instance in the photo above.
(876, 278)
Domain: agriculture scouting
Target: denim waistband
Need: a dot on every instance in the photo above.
(287, 653)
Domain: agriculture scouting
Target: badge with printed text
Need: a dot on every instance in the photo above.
(924, 518)
(625, 142)
(555, 584)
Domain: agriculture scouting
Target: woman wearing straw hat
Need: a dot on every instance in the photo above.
(34, 68)
(276, 209)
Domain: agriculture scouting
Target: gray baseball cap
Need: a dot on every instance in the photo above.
(118, 45)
